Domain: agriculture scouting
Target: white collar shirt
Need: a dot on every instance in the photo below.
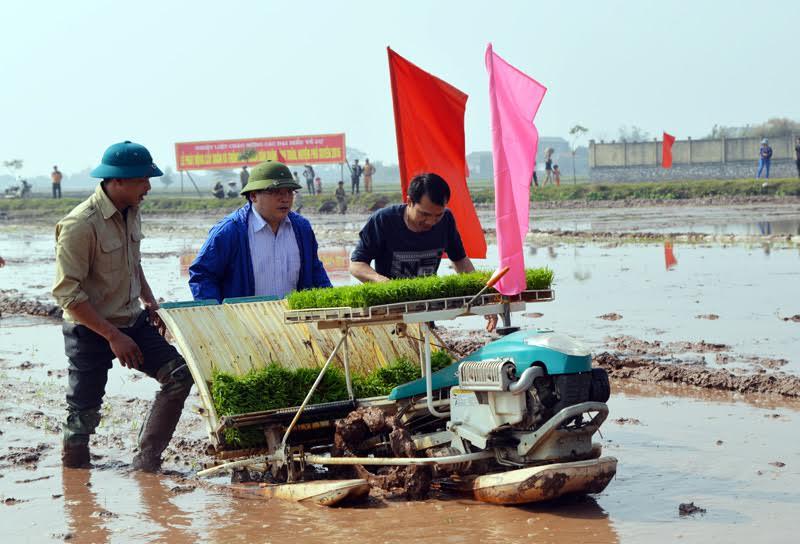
(275, 257)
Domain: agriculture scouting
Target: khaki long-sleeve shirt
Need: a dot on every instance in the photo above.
(98, 258)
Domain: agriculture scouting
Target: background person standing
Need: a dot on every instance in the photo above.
(369, 170)
(355, 177)
(308, 175)
(56, 177)
(548, 166)
(244, 176)
(764, 158)
(797, 155)
(341, 197)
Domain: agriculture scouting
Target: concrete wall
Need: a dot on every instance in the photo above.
(481, 166)
(691, 159)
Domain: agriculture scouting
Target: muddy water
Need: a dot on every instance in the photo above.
(735, 456)
(676, 447)
(658, 293)
(756, 219)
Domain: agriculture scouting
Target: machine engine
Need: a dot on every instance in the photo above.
(494, 405)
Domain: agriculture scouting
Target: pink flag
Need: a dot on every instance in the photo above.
(514, 100)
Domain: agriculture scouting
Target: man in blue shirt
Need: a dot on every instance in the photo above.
(764, 157)
(261, 249)
(409, 240)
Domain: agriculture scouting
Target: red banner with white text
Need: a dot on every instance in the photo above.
(219, 154)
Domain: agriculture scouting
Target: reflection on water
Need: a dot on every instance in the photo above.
(85, 519)
(763, 228)
(659, 289)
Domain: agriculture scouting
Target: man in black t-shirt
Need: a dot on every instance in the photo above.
(408, 240)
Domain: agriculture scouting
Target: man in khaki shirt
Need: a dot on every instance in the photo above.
(101, 287)
(369, 171)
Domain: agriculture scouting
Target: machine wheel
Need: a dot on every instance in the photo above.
(601, 388)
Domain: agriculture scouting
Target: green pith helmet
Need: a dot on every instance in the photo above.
(126, 160)
(270, 175)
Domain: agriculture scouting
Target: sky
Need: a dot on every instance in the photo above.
(78, 76)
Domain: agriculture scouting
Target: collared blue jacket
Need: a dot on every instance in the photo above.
(223, 267)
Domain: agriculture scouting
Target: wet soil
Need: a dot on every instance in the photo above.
(413, 482)
(696, 416)
(672, 362)
(12, 302)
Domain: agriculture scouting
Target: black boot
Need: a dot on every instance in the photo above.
(158, 427)
(78, 427)
(75, 453)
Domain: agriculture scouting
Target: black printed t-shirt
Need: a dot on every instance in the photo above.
(399, 252)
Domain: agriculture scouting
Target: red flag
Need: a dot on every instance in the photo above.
(429, 121)
(666, 151)
(669, 255)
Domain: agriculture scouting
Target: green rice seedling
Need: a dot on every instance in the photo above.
(275, 387)
(407, 290)
(538, 278)
(440, 359)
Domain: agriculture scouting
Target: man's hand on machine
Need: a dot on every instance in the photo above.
(491, 322)
(152, 307)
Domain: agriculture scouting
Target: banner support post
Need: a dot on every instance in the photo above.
(193, 183)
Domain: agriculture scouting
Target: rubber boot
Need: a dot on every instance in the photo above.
(158, 427)
(75, 453)
(78, 427)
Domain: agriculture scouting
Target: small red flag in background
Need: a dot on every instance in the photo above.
(666, 151)
(429, 122)
(669, 255)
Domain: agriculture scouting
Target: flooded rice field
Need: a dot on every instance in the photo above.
(718, 305)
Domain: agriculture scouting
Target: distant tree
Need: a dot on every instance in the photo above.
(772, 128)
(13, 165)
(775, 128)
(168, 178)
(633, 134)
(576, 133)
(720, 131)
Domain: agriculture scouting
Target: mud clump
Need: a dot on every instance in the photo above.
(106, 514)
(795, 318)
(779, 464)
(627, 421)
(767, 362)
(656, 348)
(610, 317)
(178, 489)
(352, 439)
(463, 342)
(639, 369)
(710, 317)
(27, 457)
(11, 302)
(689, 509)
